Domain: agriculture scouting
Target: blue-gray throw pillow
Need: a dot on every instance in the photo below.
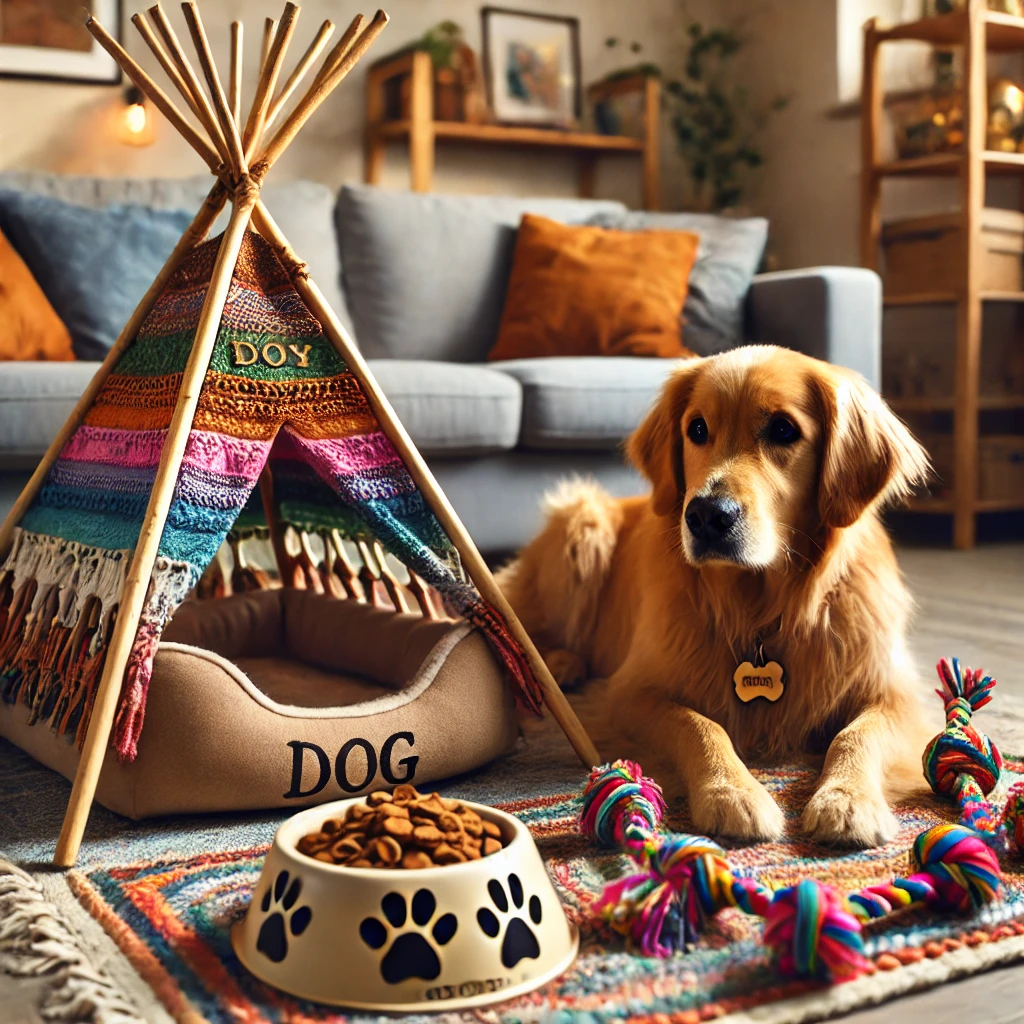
(94, 265)
(730, 253)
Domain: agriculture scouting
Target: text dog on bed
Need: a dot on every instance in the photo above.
(759, 551)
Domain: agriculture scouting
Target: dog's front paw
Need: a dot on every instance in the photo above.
(740, 808)
(846, 814)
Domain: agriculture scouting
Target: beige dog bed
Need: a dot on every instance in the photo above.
(282, 698)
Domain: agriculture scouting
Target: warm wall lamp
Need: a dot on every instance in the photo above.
(135, 126)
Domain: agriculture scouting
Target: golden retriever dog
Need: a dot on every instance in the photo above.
(761, 531)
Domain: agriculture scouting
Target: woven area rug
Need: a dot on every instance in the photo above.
(167, 894)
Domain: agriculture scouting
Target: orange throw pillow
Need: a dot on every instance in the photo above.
(586, 291)
(29, 328)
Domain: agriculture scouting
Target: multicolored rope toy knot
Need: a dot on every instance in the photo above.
(662, 908)
(621, 806)
(812, 933)
(1013, 815)
(962, 868)
(961, 761)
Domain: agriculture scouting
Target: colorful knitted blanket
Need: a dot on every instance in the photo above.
(275, 389)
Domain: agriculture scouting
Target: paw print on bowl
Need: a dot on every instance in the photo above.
(519, 942)
(412, 952)
(286, 918)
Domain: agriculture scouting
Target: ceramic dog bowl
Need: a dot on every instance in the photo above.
(437, 938)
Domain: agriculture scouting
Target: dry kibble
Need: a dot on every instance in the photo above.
(400, 828)
(449, 822)
(428, 835)
(403, 829)
(416, 859)
(388, 851)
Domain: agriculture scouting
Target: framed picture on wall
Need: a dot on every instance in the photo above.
(532, 67)
(47, 39)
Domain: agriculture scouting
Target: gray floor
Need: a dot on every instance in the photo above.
(971, 604)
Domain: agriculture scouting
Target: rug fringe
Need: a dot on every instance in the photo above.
(36, 942)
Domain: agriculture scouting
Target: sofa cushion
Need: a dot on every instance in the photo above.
(582, 290)
(302, 209)
(35, 400)
(452, 409)
(425, 275)
(587, 402)
(29, 328)
(94, 265)
(730, 253)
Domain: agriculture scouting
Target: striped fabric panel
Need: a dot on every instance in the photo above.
(275, 389)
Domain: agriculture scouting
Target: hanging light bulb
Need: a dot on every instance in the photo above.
(136, 126)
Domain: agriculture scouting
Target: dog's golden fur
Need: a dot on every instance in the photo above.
(617, 590)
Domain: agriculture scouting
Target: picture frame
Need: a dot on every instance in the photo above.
(532, 67)
(47, 40)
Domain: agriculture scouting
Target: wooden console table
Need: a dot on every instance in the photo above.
(421, 133)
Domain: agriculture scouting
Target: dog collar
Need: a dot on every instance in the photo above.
(757, 677)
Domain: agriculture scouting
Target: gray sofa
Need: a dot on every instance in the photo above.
(420, 279)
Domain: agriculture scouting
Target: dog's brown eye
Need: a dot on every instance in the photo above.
(697, 431)
(782, 431)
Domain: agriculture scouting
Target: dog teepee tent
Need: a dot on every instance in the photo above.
(162, 452)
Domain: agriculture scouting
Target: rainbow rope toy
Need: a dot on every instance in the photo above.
(812, 929)
(961, 761)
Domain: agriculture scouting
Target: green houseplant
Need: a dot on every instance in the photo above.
(716, 126)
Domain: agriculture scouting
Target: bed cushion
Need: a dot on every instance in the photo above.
(337, 698)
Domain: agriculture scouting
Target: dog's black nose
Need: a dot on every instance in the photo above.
(711, 519)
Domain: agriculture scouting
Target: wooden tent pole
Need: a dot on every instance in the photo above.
(324, 33)
(340, 49)
(186, 73)
(193, 235)
(281, 556)
(424, 479)
(235, 73)
(140, 571)
(269, 28)
(268, 79)
(229, 130)
(320, 90)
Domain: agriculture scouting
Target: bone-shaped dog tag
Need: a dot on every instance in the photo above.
(762, 681)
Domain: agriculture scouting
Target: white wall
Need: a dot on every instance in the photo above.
(68, 128)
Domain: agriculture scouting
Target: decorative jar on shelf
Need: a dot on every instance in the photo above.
(933, 123)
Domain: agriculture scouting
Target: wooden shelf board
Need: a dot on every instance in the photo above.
(946, 404)
(944, 506)
(509, 135)
(920, 299)
(1003, 32)
(999, 504)
(938, 164)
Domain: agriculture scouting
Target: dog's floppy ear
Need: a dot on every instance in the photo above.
(656, 446)
(868, 455)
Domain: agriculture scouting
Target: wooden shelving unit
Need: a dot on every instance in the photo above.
(422, 134)
(978, 30)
